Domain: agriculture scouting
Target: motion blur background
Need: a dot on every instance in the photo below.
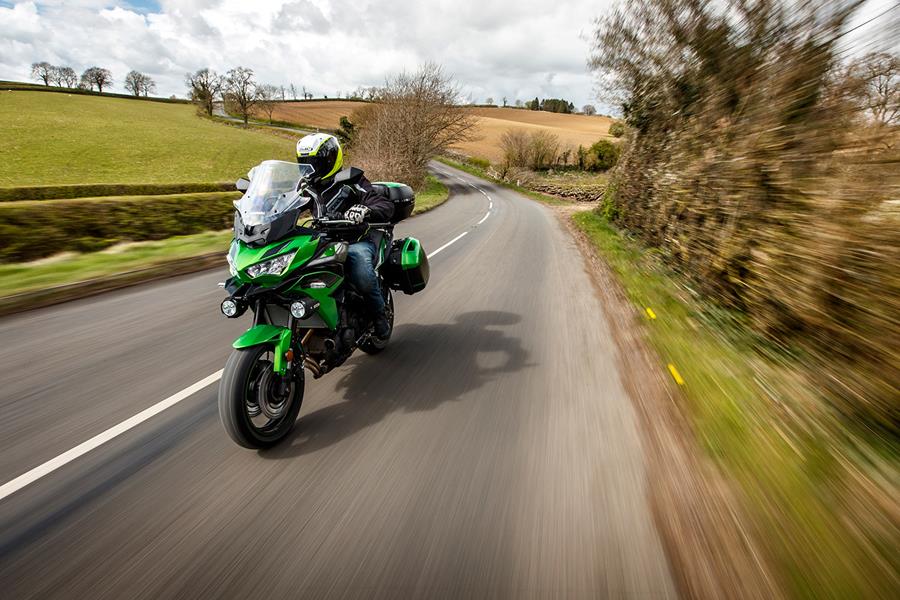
(733, 166)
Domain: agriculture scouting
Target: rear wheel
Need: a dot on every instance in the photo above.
(256, 409)
(373, 345)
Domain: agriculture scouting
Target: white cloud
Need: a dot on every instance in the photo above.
(518, 49)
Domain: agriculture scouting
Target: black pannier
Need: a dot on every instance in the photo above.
(406, 268)
(401, 195)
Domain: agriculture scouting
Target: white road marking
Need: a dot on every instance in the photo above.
(42, 470)
(83, 448)
(450, 243)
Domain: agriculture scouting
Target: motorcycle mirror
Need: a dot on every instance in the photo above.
(242, 185)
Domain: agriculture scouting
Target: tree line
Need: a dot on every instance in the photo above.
(239, 91)
(136, 83)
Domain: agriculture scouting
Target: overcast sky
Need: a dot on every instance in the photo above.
(518, 49)
(514, 48)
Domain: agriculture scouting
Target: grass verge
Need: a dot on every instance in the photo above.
(71, 268)
(433, 193)
(807, 493)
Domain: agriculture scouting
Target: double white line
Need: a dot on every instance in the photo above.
(44, 469)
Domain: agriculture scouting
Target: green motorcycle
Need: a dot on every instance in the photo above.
(287, 267)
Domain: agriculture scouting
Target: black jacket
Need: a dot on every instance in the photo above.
(339, 197)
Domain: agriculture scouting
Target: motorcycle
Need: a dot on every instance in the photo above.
(287, 263)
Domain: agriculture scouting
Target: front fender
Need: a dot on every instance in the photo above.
(279, 337)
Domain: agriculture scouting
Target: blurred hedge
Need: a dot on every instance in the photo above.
(34, 229)
(754, 165)
(54, 192)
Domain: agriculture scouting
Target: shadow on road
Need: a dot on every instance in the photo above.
(423, 367)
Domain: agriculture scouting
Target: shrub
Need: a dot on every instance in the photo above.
(481, 163)
(603, 155)
(743, 170)
(32, 230)
(617, 129)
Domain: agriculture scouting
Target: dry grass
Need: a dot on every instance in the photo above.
(572, 130)
(315, 113)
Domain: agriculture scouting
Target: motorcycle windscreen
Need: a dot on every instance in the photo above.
(272, 192)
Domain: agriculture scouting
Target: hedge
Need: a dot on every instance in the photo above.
(54, 192)
(19, 86)
(32, 230)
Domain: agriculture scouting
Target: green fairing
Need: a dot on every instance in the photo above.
(245, 256)
(411, 254)
(328, 309)
(265, 334)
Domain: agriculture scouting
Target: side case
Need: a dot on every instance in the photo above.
(407, 266)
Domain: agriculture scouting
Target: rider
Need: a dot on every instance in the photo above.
(323, 153)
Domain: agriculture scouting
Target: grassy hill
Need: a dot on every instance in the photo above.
(572, 130)
(64, 139)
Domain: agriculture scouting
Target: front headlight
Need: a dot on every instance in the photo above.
(276, 266)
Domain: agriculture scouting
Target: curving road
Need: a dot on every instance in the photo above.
(490, 452)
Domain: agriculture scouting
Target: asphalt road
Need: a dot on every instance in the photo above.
(491, 451)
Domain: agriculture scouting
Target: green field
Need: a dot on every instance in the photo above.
(66, 139)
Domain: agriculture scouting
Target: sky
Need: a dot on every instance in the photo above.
(519, 49)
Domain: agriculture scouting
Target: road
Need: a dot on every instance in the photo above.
(491, 451)
(219, 111)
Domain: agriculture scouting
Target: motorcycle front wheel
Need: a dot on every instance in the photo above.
(256, 410)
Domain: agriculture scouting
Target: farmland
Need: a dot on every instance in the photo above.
(66, 139)
(572, 130)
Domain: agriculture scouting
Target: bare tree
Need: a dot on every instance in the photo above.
(43, 71)
(589, 109)
(518, 103)
(266, 99)
(514, 144)
(240, 89)
(203, 88)
(504, 101)
(149, 86)
(96, 76)
(489, 100)
(67, 77)
(416, 117)
(293, 91)
(875, 80)
(139, 84)
(544, 146)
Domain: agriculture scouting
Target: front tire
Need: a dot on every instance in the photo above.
(252, 408)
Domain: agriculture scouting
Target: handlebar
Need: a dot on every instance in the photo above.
(348, 223)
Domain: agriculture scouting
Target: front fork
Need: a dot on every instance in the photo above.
(279, 337)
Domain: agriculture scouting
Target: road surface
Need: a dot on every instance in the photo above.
(219, 111)
(491, 451)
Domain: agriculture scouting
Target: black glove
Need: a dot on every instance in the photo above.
(357, 213)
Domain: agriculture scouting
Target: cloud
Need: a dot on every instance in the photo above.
(518, 49)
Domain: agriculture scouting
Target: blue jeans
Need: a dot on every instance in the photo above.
(361, 273)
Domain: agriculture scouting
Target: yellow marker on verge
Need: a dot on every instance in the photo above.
(650, 313)
(675, 374)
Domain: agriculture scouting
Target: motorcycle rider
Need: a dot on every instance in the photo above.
(362, 204)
